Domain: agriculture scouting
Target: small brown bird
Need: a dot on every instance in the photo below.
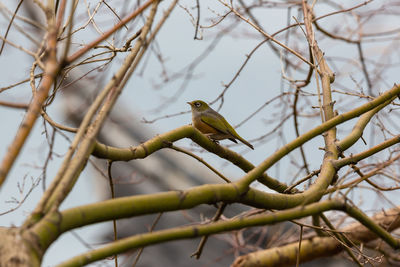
(213, 124)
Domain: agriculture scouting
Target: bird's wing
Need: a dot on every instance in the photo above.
(217, 122)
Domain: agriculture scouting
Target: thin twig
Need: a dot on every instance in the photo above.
(170, 145)
(9, 25)
(105, 35)
(299, 251)
(311, 174)
(110, 179)
(153, 226)
(204, 239)
(197, 19)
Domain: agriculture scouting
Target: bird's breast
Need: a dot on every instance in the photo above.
(203, 127)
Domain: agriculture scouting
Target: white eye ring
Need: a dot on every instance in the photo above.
(197, 104)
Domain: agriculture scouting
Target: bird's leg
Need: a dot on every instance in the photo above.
(212, 139)
(215, 141)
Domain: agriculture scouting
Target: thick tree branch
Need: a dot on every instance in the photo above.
(52, 67)
(75, 161)
(267, 163)
(317, 247)
(185, 232)
(353, 159)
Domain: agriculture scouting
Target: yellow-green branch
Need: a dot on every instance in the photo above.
(367, 153)
(267, 163)
(142, 240)
(164, 140)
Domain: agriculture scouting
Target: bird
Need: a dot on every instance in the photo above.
(212, 124)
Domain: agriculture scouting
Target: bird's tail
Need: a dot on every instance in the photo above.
(246, 143)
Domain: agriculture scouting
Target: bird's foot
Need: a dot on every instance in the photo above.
(215, 141)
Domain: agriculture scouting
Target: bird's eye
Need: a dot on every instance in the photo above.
(197, 104)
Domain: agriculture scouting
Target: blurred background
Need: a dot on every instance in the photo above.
(184, 64)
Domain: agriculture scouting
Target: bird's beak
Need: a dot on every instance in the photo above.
(189, 103)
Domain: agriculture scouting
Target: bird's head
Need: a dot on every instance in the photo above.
(198, 105)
